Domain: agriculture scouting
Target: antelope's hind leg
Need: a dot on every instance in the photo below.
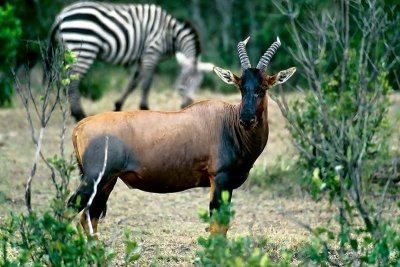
(93, 165)
(79, 201)
(98, 208)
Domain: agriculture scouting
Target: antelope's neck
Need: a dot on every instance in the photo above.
(250, 142)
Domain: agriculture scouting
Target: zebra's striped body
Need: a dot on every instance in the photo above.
(126, 34)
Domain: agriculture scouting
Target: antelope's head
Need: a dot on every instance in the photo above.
(254, 82)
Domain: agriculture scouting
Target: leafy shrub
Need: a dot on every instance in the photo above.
(336, 129)
(360, 247)
(49, 240)
(217, 250)
(48, 237)
(341, 131)
(10, 32)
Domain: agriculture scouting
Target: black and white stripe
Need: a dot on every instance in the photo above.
(124, 34)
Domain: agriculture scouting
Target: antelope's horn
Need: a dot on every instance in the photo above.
(264, 60)
(244, 59)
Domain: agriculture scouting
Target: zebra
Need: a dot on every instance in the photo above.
(127, 34)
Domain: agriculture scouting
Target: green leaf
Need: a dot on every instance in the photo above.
(203, 214)
(74, 77)
(331, 235)
(349, 153)
(134, 258)
(320, 230)
(65, 82)
(354, 244)
(225, 197)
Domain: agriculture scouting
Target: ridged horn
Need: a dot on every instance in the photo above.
(244, 59)
(264, 60)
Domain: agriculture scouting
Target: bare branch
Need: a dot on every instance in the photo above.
(43, 113)
(345, 11)
(381, 204)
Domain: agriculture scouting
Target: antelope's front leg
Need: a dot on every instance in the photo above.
(219, 184)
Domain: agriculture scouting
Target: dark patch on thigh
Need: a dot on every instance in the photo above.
(119, 158)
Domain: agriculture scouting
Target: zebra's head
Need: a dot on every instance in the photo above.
(190, 77)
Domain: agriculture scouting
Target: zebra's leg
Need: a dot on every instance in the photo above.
(74, 98)
(129, 89)
(149, 63)
(147, 80)
(186, 100)
(82, 65)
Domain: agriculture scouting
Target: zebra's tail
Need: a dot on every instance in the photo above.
(50, 52)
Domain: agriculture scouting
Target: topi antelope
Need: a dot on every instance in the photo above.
(209, 144)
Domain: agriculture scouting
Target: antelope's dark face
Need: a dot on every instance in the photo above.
(253, 94)
(254, 83)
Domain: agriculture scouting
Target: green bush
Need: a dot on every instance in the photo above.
(360, 247)
(341, 131)
(10, 33)
(335, 128)
(217, 250)
(48, 240)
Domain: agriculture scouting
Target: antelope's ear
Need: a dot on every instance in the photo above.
(281, 77)
(227, 76)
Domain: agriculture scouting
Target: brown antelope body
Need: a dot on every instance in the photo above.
(209, 144)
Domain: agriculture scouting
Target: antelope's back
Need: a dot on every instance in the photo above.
(156, 137)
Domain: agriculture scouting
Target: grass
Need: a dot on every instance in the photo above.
(166, 226)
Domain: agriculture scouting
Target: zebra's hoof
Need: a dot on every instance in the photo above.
(144, 107)
(78, 116)
(118, 106)
(187, 103)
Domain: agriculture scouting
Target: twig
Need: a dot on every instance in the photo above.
(383, 196)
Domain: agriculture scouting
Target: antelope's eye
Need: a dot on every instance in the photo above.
(259, 93)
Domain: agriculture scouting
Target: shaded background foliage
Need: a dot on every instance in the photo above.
(221, 25)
